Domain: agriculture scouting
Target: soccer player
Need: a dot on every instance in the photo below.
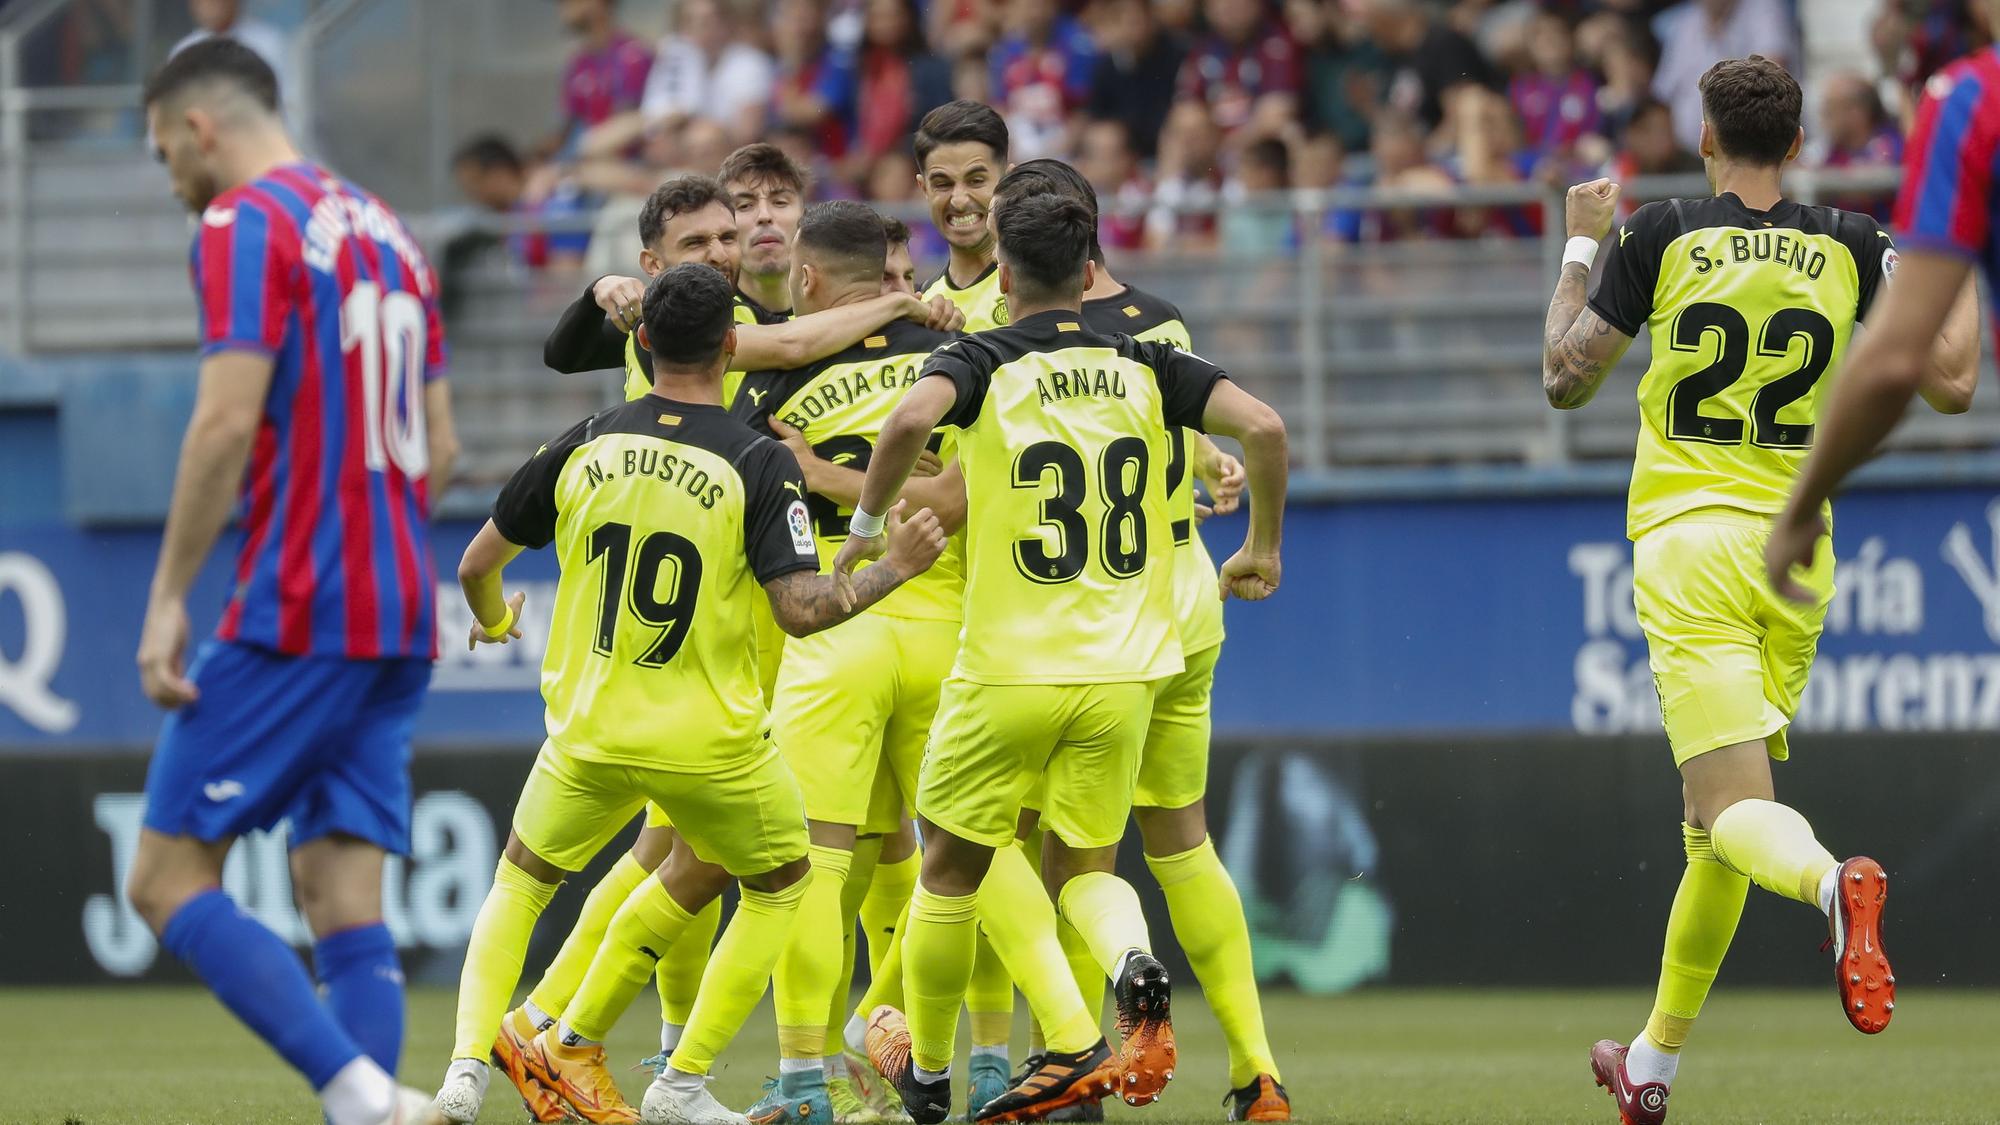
(854, 703)
(961, 150)
(1202, 901)
(668, 514)
(1944, 214)
(321, 375)
(899, 270)
(1751, 299)
(1069, 627)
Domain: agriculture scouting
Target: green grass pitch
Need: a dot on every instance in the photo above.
(116, 1055)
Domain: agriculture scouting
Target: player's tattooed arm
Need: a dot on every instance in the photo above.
(805, 602)
(1579, 347)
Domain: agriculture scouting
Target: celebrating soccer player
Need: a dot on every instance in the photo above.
(321, 372)
(1088, 549)
(668, 514)
(961, 152)
(1750, 298)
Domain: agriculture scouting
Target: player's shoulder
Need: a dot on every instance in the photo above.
(1977, 74)
(1132, 312)
(748, 311)
(903, 337)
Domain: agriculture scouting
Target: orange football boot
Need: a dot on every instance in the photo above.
(580, 1077)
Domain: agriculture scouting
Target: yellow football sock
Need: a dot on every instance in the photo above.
(938, 941)
(493, 956)
(886, 984)
(678, 977)
(1105, 910)
(989, 996)
(559, 981)
(647, 924)
(860, 876)
(808, 971)
(1090, 980)
(1016, 913)
(1699, 928)
(738, 973)
(887, 904)
(1772, 844)
(1208, 921)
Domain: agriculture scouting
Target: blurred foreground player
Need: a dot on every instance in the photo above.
(1750, 298)
(321, 367)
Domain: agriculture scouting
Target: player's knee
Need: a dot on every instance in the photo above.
(537, 868)
(1169, 832)
(652, 846)
(157, 890)
(779, 878)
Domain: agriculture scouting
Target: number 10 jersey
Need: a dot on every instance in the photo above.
(668, 517)
(1749, 310)
(1069, 549)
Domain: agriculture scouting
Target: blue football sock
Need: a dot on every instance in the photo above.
(258, 977)
(364, 989)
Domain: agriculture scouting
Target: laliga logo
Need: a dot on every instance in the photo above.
(25, 676)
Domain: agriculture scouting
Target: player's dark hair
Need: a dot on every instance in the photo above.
(1752, 107)
(681, 195)
(1045, 240)
(214, 60)
(764, 163)
(487, 151)
(895, 231)
(961, 121)
(845, 236)
(1045, 176)
(688, 310)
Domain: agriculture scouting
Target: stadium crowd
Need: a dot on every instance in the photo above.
(1177, 108)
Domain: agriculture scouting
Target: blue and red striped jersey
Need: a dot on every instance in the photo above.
(319, 275)
(1946, 201)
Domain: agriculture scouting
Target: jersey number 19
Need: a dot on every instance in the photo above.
(672, 616)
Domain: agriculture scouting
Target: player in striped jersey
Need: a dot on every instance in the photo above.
(1945, 219)
(321, 374)
(1202, 901)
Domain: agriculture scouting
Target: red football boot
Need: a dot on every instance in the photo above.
(1860, 964)
(1644, 1104)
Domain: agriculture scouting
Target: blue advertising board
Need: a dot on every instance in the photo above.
(1491, 616)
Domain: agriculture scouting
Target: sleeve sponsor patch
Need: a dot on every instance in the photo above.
(801, 528)
(1889, 260)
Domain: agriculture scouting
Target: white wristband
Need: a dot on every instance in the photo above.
(864, 525)
(1582, 250)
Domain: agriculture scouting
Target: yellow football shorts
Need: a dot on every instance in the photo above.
(746, 818)
(991, 743)
(1173, 767)
(853, 710)
(1729, 655)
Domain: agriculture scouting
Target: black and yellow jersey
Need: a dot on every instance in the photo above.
(639, 365)
(982, 302)
(1749, 310)
(839, 403)
(667, 517)
(1142, 316)
(1069, 552)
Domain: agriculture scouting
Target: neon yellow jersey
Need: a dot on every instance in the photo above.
(1064, 446)
(982, 302)
(639, 367)
(667, 519)
(1143, 316)
(839, 403)
(1748, 311)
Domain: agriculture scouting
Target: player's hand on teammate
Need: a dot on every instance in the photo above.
(1589, 208)
(162, 652)
(513, 631)
(1224, 478)
(854, 551)
(802, 450)
(928, 465)
(621, 299)
(1251, 577)
(1794, 540)
(936, 313)
(914, 543)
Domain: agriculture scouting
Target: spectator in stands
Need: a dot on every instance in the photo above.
(891, 184)
(493, 176)
(1401, 164)
(1137, 67)
(1649, 147)
(971, 79)
(1039, 76)
(1257, 221)
(1697, 34)
(1344, 72)
(1491, 150)
(1428, 59)
(705, 70)
(898, 79)
(1245, 69)
(607, 74)
(1188, 180)
(1913, 39)
(1856, 132)
(1626, 61)
(224, 18)
(1108, 159)
(815, 83)
(1556, 99)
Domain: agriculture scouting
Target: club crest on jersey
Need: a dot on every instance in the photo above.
(1000, 315)
(801, 527)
